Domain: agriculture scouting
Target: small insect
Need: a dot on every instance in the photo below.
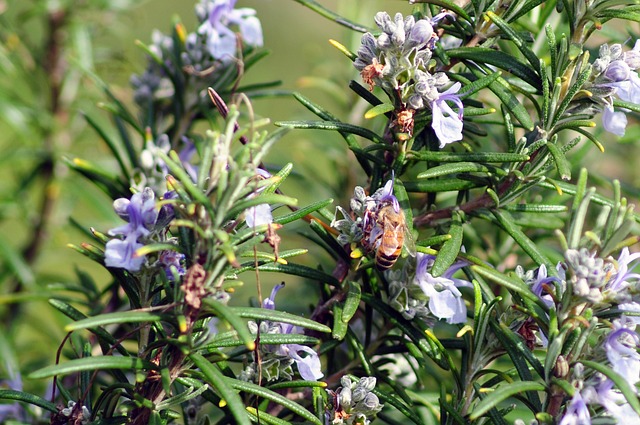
(385, 232)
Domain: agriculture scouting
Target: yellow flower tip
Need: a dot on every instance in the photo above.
(402, 137)
(79, 162)
(230, 290)
(337, 44)
(223, 403)
(182, 32)
(282, 261)
(323, 384)
(464, 330)
(251, 346)
(356, 253)
(148, 135)
(171, 182)
(182, 324)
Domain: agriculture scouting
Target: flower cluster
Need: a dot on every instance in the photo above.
(424, 296)
(216, 35)
(154, 170)
(203, 53)
(364, 207)
(141, 214)
(615, 75)
(354, 402)
(621, 348)
(399, 61)
(600, 280)
(277, 359)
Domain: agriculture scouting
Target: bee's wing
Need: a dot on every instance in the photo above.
(409, 242)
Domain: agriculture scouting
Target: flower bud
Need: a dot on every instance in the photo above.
(368, 383)
(420, 34)
(561, 369)
(345, 397)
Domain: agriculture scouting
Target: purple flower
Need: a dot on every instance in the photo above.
(618, 74)
(121, 253)
(141, 214)
(542, 278)
(614, 121)
(172, 259)
(446, 123)
(620, 280)
(260, 214)
(221, 40)
(385, 195)
(308, 364)
(614, 403)
(621, 347)
(270, 303)
(577, 412)
(445, 300)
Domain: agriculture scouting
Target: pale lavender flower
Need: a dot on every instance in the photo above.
(446, 123)
(141, 214)
(621, 347)
(538, 285)
(613, 401)
(258, 215)
(614, 121)
(169, 260)
(577, 412)
(445, 300)
(385, 195)
(121, 254)
(623, 277)
(616, 72)
(308, 364)
(221, 17)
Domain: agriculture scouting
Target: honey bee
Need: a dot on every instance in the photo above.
(385, 233)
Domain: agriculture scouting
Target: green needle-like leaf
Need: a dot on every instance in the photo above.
(499, 59)
(114, 318)
(501, 394)
(220, 384)
(274, 397)
(279, 316)
(334, 126)
(92, 363)
(459, 167)
(505, 221)
(512, 284)
(228, 314)
(28, 398)
(450, 249)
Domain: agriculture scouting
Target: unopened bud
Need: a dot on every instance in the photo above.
(561, 369)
